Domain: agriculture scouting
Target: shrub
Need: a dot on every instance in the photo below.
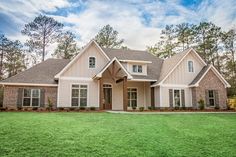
(72, 109)
(217, 107)
(183, 108)
(60, 108)
(26, 109)
(19, 108)
(35, 108)
(151, 108)
(177, 108)
(201, 104)
(92, 108)
(141, 109)
(3, 109)
(49, 104)
(82, 108)
(134, 107)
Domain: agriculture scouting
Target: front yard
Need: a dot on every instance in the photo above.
(106, 134)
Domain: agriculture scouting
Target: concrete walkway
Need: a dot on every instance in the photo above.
(162, 112)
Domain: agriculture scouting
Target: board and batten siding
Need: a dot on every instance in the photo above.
(81, 67)
(64, 88)
(181, 75)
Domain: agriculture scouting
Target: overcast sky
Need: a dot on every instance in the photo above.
(138, 21)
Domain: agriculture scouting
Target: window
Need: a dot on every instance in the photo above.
(190, 66)
(177, 98)
(211, 96)
(79, 95)
(92, 62)
(137, 68)
(132, 97)
(31, 97)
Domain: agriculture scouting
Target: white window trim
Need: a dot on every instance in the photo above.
(107, 84)
(95, 62)
(132, 99)
(188, 67)
(71, 94)
(180, 94)
(31, 97)
(137, 73)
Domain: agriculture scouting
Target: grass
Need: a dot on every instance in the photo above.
(106, 134)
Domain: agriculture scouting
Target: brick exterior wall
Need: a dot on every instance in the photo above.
(11, 95)
(209, 82)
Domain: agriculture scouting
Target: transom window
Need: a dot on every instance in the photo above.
(211, 96)
(92, 62)
(132, 97)
(190, 66)
(31, 97)
(137, 68)
(79, 95)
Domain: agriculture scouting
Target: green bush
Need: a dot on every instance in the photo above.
(50, 105)
(82, 108)
(151, 108)
(183, 108)
(141, 109)
(60, 108)
(134, 107)
(177, 108)
(19, 108)
(201, 104)
(35, 108)
(217, 107)
(92, 108)
(72, 108)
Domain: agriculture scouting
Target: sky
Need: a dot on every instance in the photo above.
(139, 22)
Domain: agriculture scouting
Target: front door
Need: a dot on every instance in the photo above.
(107, 89)
(177, 98)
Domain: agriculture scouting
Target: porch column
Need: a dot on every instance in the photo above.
(125, 94)
(101, 94)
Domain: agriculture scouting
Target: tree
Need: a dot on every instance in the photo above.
(165, 47)
(4, 46)
(185, 34)
(15, 59)
(66, 48)
(42, 31)
(108, 37)
(229, 41)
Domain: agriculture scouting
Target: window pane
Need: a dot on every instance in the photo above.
(211, 94)
(129, 103)
(83, 101)
(91, 62)
(83, 93)
(75, 92)
(140, 70)
(75, 86)
(190, 66)
(74, 102)
(212, 102)
(129, 95)
(133, 89)
(134, 103)
(133, 95)
(135, 68)
(27, 92)
(83, 86)
(26, 102)
(35, 101)
(35, 93)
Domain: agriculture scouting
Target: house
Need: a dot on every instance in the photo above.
(115, 79)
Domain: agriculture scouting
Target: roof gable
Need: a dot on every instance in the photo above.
(92, 42)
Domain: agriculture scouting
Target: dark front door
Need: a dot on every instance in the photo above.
(107, 98)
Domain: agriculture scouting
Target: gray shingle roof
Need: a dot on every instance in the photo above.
(153, 69)
(42, 73)
(200, 74)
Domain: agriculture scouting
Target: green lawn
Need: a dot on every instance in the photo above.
(107, 134)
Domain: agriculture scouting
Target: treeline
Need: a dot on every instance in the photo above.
(215, 46)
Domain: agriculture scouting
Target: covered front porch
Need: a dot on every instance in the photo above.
(117, 90)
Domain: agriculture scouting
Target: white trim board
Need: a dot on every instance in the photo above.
(28, 84)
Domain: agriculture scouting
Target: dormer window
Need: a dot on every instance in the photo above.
(92, 62)
(190, 66)
(137, 68)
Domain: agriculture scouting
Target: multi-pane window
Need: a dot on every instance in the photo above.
(31, 97)
(211, 97)
(190, 66)
(132, 97)
(137, 68)
(92, 62)
(79, 95)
